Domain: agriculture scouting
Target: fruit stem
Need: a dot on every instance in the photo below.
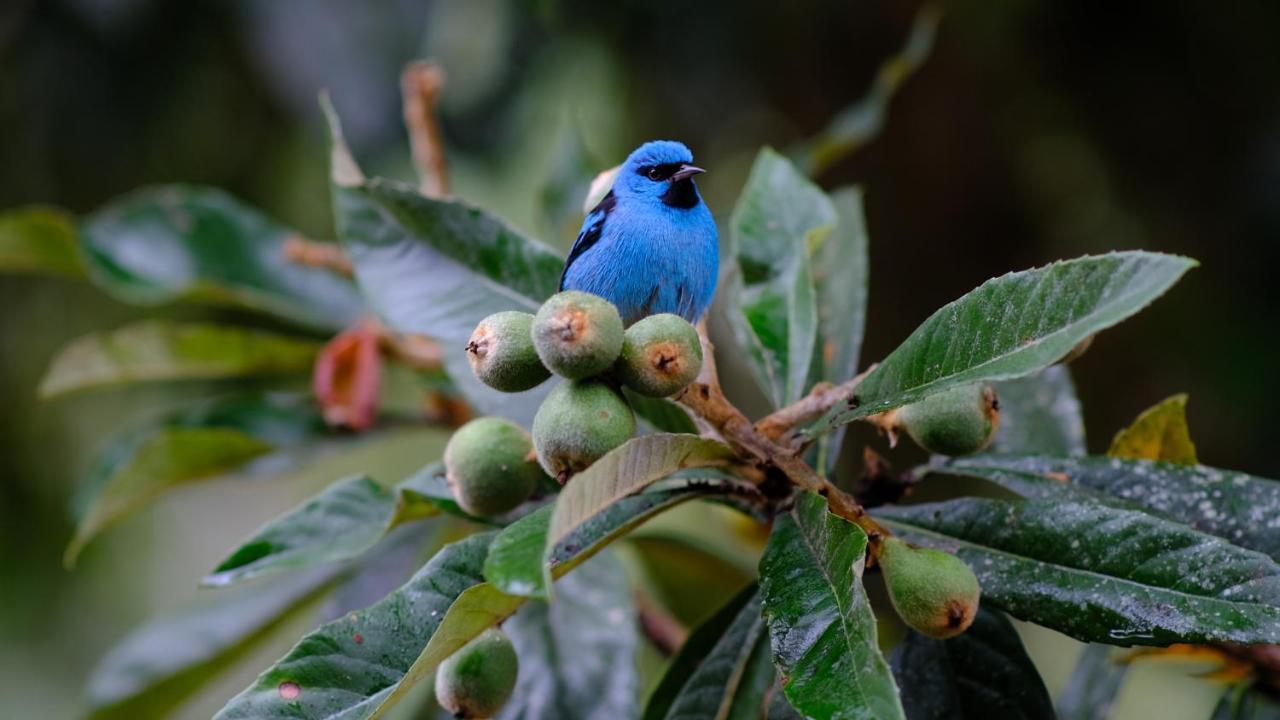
(705, 398)
(421, 83)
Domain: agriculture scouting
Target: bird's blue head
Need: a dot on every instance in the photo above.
(660, 170)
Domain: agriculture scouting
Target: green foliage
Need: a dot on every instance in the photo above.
(1139, 547)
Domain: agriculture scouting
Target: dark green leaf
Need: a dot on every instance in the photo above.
(697, 646)
(820, 622)
(204, 442)
(577, 655)
(730, 680)
(39, 239)
(981, 673)
(164, 661)
(1012, 326)
(1101, 573)
(1040, 414)
(1093, 685)
(663, 415)
(438, 267)
(345, 668)
(176, 242)
(342, 522)
(628, 469)
(781, 218)
(515, 562)
(154, 350)
(1241, 508)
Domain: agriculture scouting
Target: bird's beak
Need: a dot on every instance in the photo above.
(686, 171)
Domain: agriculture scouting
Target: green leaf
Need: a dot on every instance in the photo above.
(342, 522)
(696, 647)
(821, 625)
(345, 668)
(1012, 326)
(1159, 433)
(1094, 683)
(577, 655)
(153, 350)
(983, 672)
(730, 679)
(1241, 508)
(663, 415)
(162, 244)
(1040, 414)
(438, 267)
(840, 278)
(780, 219)
(39, 239)
(167, 659)
(204, 442)
(628, 469)
(860, 123)
(1101, 573)
(516, 559)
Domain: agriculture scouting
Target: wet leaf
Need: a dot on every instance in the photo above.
(1101, 573)
(153, 350)
(1159, 433)
(1094, 683)
(729, 679)
(983, 672)
(780, 219)
(209, 440)
(1040, 414)
(437, 267)
(177, 242)
(345, 668)
(627, 469)
(1241, 508)
(167, 659)
(820, 623)
(1012, 326)
(39, 239)
(577, 655)
(516, 559)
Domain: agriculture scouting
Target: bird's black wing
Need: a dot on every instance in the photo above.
(592, 226)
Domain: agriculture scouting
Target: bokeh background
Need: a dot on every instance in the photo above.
(1035, 131)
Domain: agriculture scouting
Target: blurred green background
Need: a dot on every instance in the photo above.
(1035, 131)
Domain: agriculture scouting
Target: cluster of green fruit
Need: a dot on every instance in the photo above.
(580, 337)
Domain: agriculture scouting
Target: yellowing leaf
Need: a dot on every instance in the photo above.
(1159, 433)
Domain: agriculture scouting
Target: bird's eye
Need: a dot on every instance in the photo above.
(655, 173)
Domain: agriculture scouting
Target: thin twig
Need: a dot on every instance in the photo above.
(312, 253)
(420, 85)
(705, 398)
(660, 626)
(821, 399)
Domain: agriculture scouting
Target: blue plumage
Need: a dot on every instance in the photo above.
(651, 245)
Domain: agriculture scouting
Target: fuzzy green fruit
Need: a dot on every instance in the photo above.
(661, 354)
(477, 680)
(580, 421)
(502, 355)
(934, 592)
(489, 465)
(577, 335)
(960, 421)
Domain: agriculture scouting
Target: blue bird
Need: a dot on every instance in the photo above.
(651, 245)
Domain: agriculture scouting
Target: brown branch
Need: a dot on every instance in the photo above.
(417, 351)
(705, 398)
(660, 626)
(821, 399)
(311, 253)
(420, 85)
